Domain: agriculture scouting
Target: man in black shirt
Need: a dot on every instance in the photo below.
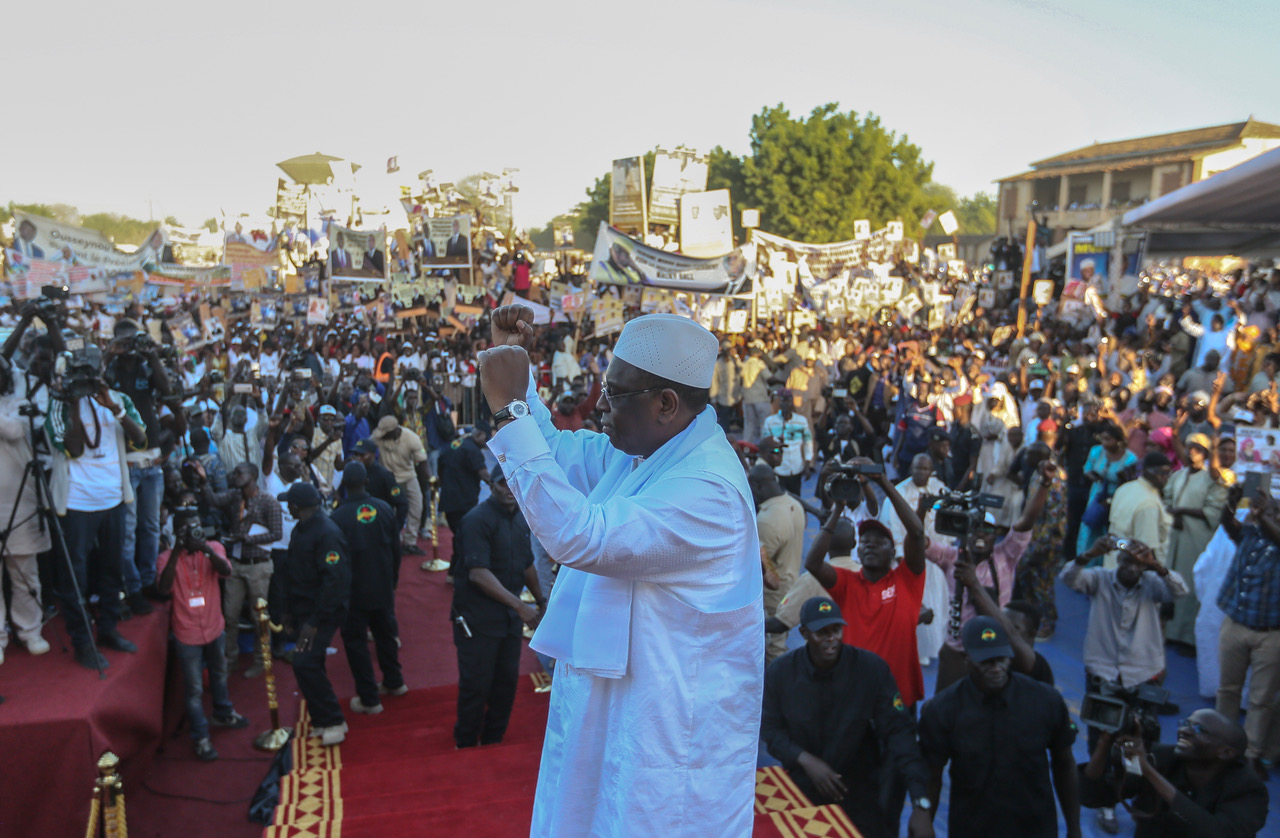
(316, 588)
(461, 469)
(370, 528)
(496, 564)
(1078, 438)
(834, 718)
(1199, 787)
(133, 368)
(381, 482)
(994, 728)
(966, 443)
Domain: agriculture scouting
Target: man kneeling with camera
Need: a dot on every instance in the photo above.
(1199, 787)
(1124, 643)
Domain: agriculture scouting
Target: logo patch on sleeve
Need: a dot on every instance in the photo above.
(332, 558)
(366, 514)
(898, 704)
(395, 491)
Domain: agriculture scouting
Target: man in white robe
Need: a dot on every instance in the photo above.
(656, 619)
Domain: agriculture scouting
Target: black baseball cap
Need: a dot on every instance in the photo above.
(300, 494)
(984, 639)
(820, 612)
(365, 446)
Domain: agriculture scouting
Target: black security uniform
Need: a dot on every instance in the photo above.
(488, 660)
(1000, 781)
(383, 486)
(1233, 804)
(459, 470)
(373, 534)
(317, 588)
(852, 717)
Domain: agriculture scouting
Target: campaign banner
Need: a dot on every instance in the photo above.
(1258, 449)
(37, 237)
(291, 200)
(675, 173)
(357, 254)
(28, 277)
(444, 242)
(251, 248)
(777, 256)
(621, 260)
(627, 202)
(706, 224)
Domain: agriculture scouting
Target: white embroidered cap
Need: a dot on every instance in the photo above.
(671, 347)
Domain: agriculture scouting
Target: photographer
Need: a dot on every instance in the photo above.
(87, 428)
(190, 572)
(996, 562)
(1199, 787)
(134, 368)
(1124, 643)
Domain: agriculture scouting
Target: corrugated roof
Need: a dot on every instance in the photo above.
(1098, 166)
(1145, 151)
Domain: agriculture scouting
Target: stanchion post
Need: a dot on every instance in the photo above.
(107, 808)
(275, 738)
(1027, 255)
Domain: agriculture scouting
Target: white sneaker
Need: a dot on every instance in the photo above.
(334, 735)
(317, 732)
(358, 706)
(37, 645)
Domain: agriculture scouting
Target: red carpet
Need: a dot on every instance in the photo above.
(398, 773)
(58, 718)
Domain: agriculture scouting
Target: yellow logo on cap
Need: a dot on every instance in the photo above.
(824, 607)
(332, 558)
(988, 634)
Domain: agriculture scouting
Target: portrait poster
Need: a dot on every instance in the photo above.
(675, 173)
(621, 260)
(627, 204)
(706, 224)
(359, 255)
(1087, 261)
(445, 241)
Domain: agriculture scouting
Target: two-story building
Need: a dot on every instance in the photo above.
(1081, 189)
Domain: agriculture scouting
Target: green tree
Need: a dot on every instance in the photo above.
(58, 212)
(210, 224)
(725, 171)
(977, 214)
(813, 178)
(120, 229)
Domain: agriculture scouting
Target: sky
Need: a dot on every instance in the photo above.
(157, 109)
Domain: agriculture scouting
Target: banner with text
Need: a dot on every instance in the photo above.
(37, 237)
(621, 260)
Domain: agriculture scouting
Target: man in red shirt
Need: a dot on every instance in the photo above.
(881, 603)
(567, 414)
(190, 572)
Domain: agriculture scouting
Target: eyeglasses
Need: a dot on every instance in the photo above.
(612, 397)
(1195, 727)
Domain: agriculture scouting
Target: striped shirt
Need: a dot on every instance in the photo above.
(1250, 594)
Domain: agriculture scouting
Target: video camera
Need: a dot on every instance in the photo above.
(843, 483)
(1115, 708)
(959, 512)
(46, 305)
(80, 372)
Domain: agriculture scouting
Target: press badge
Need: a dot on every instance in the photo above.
(196, 602)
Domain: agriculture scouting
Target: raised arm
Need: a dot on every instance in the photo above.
(815, 561)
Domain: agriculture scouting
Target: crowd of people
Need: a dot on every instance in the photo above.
(962, 473)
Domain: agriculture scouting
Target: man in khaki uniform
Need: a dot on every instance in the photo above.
(780, 524)
(403, 453)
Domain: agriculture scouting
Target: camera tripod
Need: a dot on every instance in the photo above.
(34, 471)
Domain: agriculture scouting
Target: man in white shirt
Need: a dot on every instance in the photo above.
(91, 485)
(656, 619)
(796, 436)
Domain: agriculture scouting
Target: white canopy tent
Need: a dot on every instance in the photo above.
(1236, 211)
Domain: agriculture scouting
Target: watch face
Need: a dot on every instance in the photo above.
(518, 409)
